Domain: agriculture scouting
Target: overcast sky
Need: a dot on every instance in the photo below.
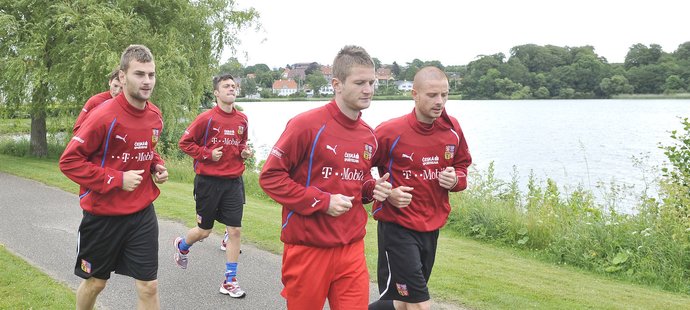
(454, 32)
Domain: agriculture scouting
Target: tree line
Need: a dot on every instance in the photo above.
(530, 72)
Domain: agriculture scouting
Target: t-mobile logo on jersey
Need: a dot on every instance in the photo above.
(347, 174)
(407, 174)
(141, 156)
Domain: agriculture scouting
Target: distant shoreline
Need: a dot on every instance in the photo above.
(458, 97)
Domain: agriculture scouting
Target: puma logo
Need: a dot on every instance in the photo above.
(124, 139)
(407, 156)
(110, 178)
(332, 148)
(315, 202)
(216, 129)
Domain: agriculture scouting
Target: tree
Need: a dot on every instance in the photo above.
(316, 80)
(615, 85)
(61, 51)
(248, 87)
(674, 84)
(377, 62)
(232, 66)
(396, 70)
(641, 55)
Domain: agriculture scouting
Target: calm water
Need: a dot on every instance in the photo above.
(570, 141)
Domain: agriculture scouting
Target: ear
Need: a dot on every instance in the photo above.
(121, 76)
(414, 94)
(336, 84)
(215, 92)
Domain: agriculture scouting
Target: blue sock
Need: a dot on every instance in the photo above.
(184, 246)
(230, 271)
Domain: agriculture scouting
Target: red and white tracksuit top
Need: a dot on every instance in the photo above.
(414, 154)
(90, 104)
(115, 138)
(321, 152)
(212, 129)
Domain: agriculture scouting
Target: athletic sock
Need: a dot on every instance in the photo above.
(230, 271)
(382, 305)
(183, 246)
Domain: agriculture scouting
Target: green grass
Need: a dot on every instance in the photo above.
(24, 287)
(468, 272)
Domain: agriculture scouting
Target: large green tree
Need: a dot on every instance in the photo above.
(59, 52)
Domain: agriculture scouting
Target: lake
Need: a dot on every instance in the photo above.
(574, 142)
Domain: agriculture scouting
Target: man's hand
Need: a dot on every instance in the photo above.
(131, 179)
(216, 154)
(339, 204)
(246, 153)
(161, 174)
(400, 196)
(447, 178)
(382, 189)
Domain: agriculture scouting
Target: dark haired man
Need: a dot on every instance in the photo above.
(217, 141)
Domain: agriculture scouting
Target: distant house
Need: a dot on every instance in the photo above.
(297, 74)
(383, 76)
(327, 72)
(284, 87)
(326, 89)
(404, 86)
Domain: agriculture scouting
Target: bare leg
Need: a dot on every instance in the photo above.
(232, 252)
(424, 305)
(195, 234)
(147, 291)
(88, 291)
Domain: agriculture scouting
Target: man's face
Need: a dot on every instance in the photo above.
(226, 91)
(139, 80)
(358, 88)
(430, 98)
(115, 87)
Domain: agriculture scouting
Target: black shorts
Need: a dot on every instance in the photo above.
(126, 244)
(406, 258)
(218, 199)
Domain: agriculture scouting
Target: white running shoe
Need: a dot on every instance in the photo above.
(180, 258)
(232, 288)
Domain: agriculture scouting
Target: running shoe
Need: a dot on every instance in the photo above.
(232, 288)
(180, 256)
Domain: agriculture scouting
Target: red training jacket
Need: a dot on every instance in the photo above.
(321, 152)
(114, 138)
(211, 129)
(414, 154)
(90, 104)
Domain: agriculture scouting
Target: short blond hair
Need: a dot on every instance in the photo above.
(349, 56)
(136, 52)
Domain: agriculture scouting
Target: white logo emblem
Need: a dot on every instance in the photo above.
(315, 202)
(331, 148)
(110, 178)
(407, 156)
(124, 139)
(216, 129)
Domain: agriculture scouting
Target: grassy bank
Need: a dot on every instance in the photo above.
(468, 272)
(25, 287)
